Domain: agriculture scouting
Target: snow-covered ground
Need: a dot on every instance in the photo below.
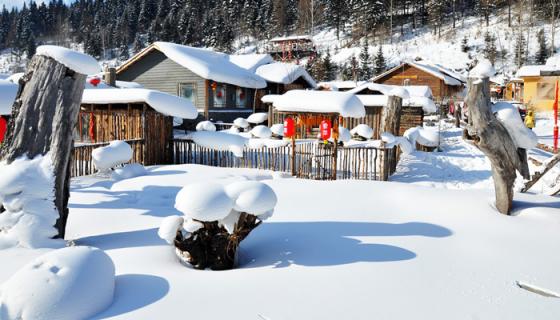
(544, 126)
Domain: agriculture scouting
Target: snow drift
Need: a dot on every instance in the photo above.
(508, 115)
(116, 153)
(221, 141)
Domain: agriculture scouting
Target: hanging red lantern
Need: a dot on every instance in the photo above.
(242, 96)
(219, 94)
(214, 86)
(3, 128)
(289, 127)
(95, 81)
(325, 129)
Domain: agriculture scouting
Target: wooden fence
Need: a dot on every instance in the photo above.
(82, 164)
(312, 160)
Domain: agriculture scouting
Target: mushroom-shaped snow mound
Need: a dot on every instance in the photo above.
(116, 153)
(277, 129)
(168, 228)
(363, 130)
(66, 284)
(204, 201)
(258, 118)
(205, 126)
(241, 123)
(262, 132)
(253, 197)
(77, 61)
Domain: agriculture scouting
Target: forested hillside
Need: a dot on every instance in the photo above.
(115, 29)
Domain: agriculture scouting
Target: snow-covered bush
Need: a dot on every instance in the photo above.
(258, 118)
(67, 284)
(27, 194)
(241, 123)
(362, 132)
(216, 219)
(262, 132)
(129, 171)
(205, 126)
(422, 136)
(116, 153)
(390, 141)
(277, 130)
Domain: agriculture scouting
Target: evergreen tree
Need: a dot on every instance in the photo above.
(123, 52)
(31, 46)
(138, 44)
(543, 52)
(366, 69)
(490, 50)
(380, 64)
(465, 44)
(329, 68)
(520, 54)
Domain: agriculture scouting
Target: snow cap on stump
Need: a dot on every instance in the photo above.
(116, 153)
(241, 123)
(168, 228)
(484, 69)
(65, 284)
(363, 130)
(258, 118)
(204, 201)
(277, 129)
(262, 132)
(253, 197)
(205, 126)
(77, 61)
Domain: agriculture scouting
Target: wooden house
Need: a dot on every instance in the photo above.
(291, 48)
(444, 83)
(375, 96)
(142, 117)
(220, 89)
(539, 84)
(513, 90)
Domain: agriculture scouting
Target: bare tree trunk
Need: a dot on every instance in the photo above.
(495, 142)
(43, 119)
(391, 123)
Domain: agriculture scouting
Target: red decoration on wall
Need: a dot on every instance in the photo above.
(3, 128)
(289, 127)
(325, 129)
(91, 130)
(95, 81)
(242, 95)
(219, 94)
(213, 86)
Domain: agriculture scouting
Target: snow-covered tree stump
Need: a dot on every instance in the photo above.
(216, 220)
(45, 113)
(391, 123)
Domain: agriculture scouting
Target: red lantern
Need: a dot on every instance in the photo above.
(242, 96)
(219, 94)
(325, 129)
(3, 128)
(95, 81)
(289, 127)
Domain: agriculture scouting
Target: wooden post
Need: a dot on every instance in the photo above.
(44, 117)
(494, 141)
(335, 138)
(391, 123)
(293, 155)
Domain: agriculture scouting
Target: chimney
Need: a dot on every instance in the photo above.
(110, 76)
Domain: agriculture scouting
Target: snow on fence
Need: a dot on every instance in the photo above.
(312, 160)
(82, 164)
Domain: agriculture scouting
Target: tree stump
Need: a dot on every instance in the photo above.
(44, 116)
(391, 123)
(492, 138)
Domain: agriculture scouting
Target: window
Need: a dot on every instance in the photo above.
(188, 91)
(219, 95)
(546, 91)
(241, 98)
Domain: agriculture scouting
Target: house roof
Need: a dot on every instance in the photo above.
(417, 91)
(303, 37)
(285, 73)
(8, 93)
(205, 63)
(343, 103)
(449, 77)
(336, 85)
(251, 61)
(161, 102)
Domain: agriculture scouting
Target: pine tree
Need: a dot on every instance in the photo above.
(123, 52)
(31, 46)
(138, 44)
(520, 54)
(329, 68)
(380, 64)
(366, 70)
(543, 52)
(490, 50)
(465, 44)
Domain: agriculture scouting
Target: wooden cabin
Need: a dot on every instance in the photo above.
(444, 83)
(142, 117)
(539, 83)
(291, 48)
(219, 89)
(513, 90)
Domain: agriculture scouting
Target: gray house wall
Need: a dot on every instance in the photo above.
(155, 71)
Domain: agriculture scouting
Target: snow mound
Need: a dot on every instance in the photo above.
(262, 132)
(422, 136)
(399, 91)
(277, 129)
(484, 69)
(270, 98)
(258, 118)
(344, 134)
(221, 141)
(79, 62)
(163, 103)
(363, 130)
(129, 171)
(205, 126)
(8, 93)
(405, 145)
(204, 201)
(269, 143)
(66, 284)
(388, 138)
(508, 115)
(168, 228)
(252, 197)
(241, 123)
(27, 194)
(343, 103)
(116, 153)
(285, 73)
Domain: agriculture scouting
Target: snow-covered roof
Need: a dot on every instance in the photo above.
(269, 98)
(378, 100)
(417, 91)
(205, 63)
(285, 73)
(449, 77)
(162, 102)
(77, 61)
(304, 37)
(536, 70)
(343, 103)
(339, 84)
(251, 61)
(8, 92)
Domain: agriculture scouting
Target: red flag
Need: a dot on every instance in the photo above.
(3, 128)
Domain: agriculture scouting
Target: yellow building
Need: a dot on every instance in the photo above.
(539, 84)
